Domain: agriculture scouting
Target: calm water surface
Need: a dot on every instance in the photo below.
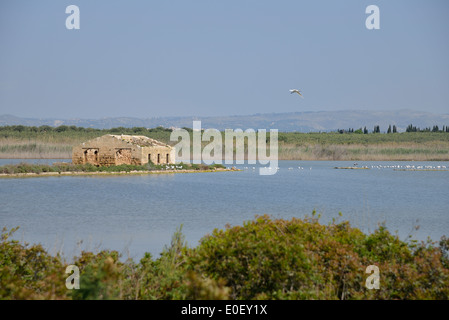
(137, 214)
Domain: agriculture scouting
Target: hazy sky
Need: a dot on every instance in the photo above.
(221, 57)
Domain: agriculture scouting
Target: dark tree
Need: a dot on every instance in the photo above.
(411, 128)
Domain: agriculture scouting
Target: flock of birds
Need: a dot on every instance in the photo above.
(400, 167)
(275, 168)
(411, 167)
(172, 167)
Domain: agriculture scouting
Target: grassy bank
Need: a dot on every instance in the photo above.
(27, 168)
(397, 151)
(419, 146)
(263, 259)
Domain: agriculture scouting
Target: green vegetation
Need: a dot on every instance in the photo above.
(50, 142)
(68, 167)
(412, 128)
(56, 142)
(263, 259)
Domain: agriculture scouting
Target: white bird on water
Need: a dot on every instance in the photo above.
(296, 91)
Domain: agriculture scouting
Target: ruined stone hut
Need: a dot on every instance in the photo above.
(111, 150)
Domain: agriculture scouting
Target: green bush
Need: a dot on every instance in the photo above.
(163, 278)
(29, 272)
(100, 278)
(263, 259)
(279, 259)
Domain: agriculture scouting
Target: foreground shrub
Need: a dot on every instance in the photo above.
(29, 272)
(303, 259)
(101, 276)
(263, 259)
(163, 278)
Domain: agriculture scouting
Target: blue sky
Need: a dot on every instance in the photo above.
(216, 57)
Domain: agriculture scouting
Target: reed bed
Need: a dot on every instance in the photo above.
(426, 151)
(34, 149)
(292, 146)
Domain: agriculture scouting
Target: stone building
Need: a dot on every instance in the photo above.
(109, 150)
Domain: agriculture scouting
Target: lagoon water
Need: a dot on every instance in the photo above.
(139, 213)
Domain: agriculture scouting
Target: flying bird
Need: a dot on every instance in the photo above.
(296, 91)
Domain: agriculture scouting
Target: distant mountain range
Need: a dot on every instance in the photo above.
(295, 121)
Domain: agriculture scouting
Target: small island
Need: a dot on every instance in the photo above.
(70, 169)
(113, 155)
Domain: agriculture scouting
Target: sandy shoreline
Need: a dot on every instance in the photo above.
(103, 173)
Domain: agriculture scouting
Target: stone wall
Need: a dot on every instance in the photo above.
(123, 156)
(158, 154)
(108, 150)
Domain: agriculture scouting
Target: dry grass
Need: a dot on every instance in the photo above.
(61, 148)
(404, 151)
(34, 149)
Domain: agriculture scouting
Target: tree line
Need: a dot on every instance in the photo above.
(412, 128)
(64, 128)
(394, 129)
(143, 130)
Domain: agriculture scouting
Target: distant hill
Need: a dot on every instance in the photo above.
(294, 121)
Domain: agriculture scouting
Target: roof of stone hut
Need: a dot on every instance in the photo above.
(140, 140)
